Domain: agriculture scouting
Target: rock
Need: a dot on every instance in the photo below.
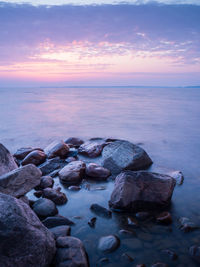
(73, 152)
(178, 176)
(141, 191)
(132, 222)
(142, 215)
(38, 193)
(96, 171)
(172, 255)
(92, 148)
(72, 173)
(195, 253)
(7, 162)
(108, 243)
(57, 149)
(23, 238)
(102, 261)
(74, 141)
(101, 211)
(70, 252)
(164, 218)
(92, 222)
(126, 232)
(123, 155)
(24, 199)
(52, 165)
(159, 264)
(55, 195)
(187, 225)
(62, 230)
(35, 157)
(70, 159)
(21, 153)
(44, 208)
(58, 220)
(46, 182)
(74, 188)
(20, 181)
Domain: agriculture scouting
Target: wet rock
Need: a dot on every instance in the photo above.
(74, 188)
(35, 157)
(74, 141)
(21, 153)
(72, 173)
(108, 243)
(178, 176)
(52, 165)
(70, 252)
(123, 155)
(38, 193)
(20, 181)
(159, 264)
(55, 195)
(46, 182)
(70, 159)
(124, 232)
(164, 218)
(62, 230)
(92, 222)
(187, 225)
(101, 211)
(142, 215)
(23, 238)
(7, 162)
(96, 171)
(58, 220)
(57, 149)
(92, 148)
(141, 191)
(127, 257)
(44, 208)
(172, 255)
(195, 253)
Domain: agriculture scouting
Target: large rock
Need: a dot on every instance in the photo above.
(24, 240)
(92, 148)
(140, 191)
(123, 155)
(57, 149)
(72, 173)
(70, 252)
(20, 181)
(51, 165)
(96, 171)
(35, 157)
(7, 162)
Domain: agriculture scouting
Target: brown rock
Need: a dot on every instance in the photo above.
(57, 149)
(92, 148)
(35, 157)
(55, 195)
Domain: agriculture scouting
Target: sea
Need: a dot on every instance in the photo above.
(164, 121)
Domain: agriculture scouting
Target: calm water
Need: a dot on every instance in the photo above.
(165, 121)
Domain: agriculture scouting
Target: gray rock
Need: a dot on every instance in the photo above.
(101, 211)
(96, 171)
(46, 182)
(195, 253)
(141, 191)
(21, 153)
(72, 173)
(35, 157)
(44, 208)
(52, 165)
(7, 162)
(23, 238)
(62, 230)
(108, 243)
(123, 155)
(70, 252)
(58, 220)
(55, 195)
(20, 181)
(92, 148)
(57, 149)
(74, 141)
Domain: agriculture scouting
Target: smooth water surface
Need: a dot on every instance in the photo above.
(164, 121)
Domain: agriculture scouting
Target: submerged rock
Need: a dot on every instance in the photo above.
(55, 195)
(20, 181)
(141, 191)
(96, 171)
(57, 220)
(24, 241)
(52, 165)
(44, 208)
(92, 148)
(108, 243)
(7, 162)
(72, 173)
(70, 252)
(123, 155)
(101, 211)
(35, 157)
(57, 149)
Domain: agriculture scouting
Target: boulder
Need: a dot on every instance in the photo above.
(74, 141)
(96, 171)
(92, 148)
(7, 162)
(141, 191)
(55, 195)
(52, 165)
(23, 238)
(70, 252)
(20, 181)
(44, 208)
(57, 220)
(21, 153)
(108, 243)
(72, 173)
(57, 149)
(35, 157)
(123, 155)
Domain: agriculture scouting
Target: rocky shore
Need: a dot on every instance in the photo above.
(33, 233)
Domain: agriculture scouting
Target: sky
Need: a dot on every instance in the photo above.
(64, 43)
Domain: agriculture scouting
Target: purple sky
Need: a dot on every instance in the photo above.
(123, 44)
